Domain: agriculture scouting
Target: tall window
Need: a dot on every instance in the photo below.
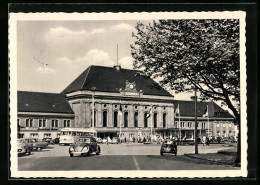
(104, 118)
(29, 123)
(95, 118)
(66, 123)
(164, 120)
(126, 119)
(136, 119)
(155, 120)
(54, 123)
(145, 120)
(115, 119)
(42, 123)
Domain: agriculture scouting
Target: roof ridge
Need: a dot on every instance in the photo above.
(86, 76)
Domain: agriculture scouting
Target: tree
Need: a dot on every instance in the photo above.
(185, 53)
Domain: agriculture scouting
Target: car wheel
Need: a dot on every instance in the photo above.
(89, 152)
(98, 151)
(29, 152)
(71, 155)
(161, 153)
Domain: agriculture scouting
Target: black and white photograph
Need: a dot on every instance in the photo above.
(128, 95)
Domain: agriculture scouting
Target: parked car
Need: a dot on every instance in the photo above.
(56, 141)
(104, 140)
(169, 147)
(48, 140)
(23, 147)
(99, 140)
(115, 140)
(37, 145)
(85, 146)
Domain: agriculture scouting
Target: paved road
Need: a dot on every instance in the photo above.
(119, 157)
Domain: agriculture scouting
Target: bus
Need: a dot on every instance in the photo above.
(70, 135)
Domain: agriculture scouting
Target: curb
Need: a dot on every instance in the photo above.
(217, 162)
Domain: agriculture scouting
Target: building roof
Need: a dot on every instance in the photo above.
(43, 102)
(108, 79)
(187, 109)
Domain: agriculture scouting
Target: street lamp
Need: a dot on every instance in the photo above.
(93, 88)
(196, 125)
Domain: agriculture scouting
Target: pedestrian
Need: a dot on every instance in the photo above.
(125, 139)
(204, 140)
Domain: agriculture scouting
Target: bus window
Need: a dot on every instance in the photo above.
(73, 133)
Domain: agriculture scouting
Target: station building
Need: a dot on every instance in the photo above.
(125, 102)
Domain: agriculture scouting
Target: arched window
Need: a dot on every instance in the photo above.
(104, 118)
(95, 118)
(145, 120)
(155, 120)
(136, 119)
(164, 120)
(126, 119)
(115, 119)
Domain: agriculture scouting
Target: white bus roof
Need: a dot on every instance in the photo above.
(77, 130)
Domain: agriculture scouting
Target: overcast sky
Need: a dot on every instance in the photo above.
(51, 54)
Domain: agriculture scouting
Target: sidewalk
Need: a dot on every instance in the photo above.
(221, 157)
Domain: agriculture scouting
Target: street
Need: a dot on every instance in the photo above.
(120, 157)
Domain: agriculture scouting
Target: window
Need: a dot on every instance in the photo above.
(229, 125)
(104, 118)
(176, 124)
(217, 124)
(145, 120)
(34, 135)
(126, 119)
(42, 123)
(224, 125)
(54, 123)
(155, 120)
(47, 135)
(115, 119)
(136, 119)
(66, 123)
(18, 122)
(164, 120)
(29, 122)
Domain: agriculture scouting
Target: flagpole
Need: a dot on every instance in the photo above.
(120, 121)
(179, 120)
(208, 119)
(151, 123)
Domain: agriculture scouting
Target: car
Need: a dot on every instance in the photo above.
(85, 146)
(99, 140)
(104, 140)
(23, 147)
(48, 140)
(37, 145)
(115, 140)
(56, 141)
(169, 147)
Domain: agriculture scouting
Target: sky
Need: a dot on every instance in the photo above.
(51, 54)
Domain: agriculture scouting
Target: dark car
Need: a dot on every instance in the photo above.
(48, 140)
(56, 141)
(169, 147)
(36, 143)
(84, 147)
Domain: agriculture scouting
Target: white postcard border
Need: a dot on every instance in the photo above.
(15, 17)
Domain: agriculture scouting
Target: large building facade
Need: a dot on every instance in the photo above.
(146, 107)
(117, 102)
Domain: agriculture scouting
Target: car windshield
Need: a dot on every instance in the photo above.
(84, 140)
(167, 145)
